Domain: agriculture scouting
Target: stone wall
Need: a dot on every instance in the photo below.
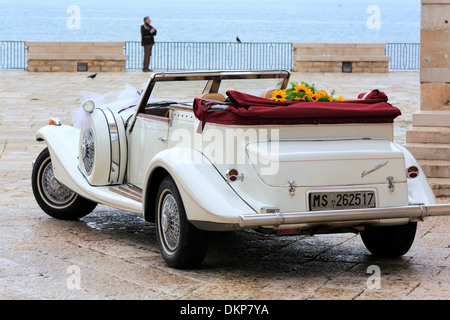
(329, 57)
(429, 139)
(66, 56)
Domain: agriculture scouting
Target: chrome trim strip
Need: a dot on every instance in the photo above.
(281, 218)
(114, 173)
(109, 132)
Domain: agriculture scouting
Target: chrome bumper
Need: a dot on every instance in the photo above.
(285, 218)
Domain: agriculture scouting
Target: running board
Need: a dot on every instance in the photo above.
(128, 191)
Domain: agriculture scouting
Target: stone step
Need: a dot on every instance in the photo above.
(435, 168)
(429, 151)
(428, 135)
(443, 199)
(440, 186)
(433, 118)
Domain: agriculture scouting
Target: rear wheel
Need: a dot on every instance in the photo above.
(53, 197)
(389, 241)
(182, 245)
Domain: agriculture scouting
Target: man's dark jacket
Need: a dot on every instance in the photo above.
(147, 37)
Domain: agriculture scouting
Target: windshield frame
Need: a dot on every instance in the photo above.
(213, 82)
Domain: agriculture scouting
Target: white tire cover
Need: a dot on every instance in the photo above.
(106, 165)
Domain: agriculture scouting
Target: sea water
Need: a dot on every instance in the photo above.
(212, 20)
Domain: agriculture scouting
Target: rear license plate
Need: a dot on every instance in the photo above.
(341, 200)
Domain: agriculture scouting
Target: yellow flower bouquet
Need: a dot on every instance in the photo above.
(303, 92)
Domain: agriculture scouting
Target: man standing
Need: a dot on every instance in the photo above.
(147, 41)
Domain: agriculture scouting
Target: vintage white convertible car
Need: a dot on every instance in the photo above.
(208, 151)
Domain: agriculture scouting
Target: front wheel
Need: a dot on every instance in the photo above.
(53, 197)
(389, 241)
(182, 245)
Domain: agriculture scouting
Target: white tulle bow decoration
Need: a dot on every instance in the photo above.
(115, 100)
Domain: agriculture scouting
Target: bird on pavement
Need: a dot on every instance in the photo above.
(92, 76)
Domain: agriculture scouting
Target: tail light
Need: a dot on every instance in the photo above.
(233, 175)
(412, 172)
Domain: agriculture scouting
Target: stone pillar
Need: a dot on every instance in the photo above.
(429, 139)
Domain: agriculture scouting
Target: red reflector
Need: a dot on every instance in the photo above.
(232, 175)
(412, 172)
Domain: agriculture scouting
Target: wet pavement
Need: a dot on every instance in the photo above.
(111, 254)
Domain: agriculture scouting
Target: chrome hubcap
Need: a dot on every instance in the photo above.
(170, 222)
(88, 151)
(55, 191)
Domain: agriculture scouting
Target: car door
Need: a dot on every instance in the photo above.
(149, 136)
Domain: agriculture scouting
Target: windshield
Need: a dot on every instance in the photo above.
(250, 86)
(177, 91)
(186, 91)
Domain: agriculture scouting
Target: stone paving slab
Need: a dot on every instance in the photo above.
(116, 253)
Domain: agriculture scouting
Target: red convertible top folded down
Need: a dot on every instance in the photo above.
(245, 109)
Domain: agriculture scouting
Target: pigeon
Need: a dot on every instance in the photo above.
(92, 76)
(238, 40)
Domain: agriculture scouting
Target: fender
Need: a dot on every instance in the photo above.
(62, 142)
(204, 192)
(419, 189)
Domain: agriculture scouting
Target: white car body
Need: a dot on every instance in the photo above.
(278, 166)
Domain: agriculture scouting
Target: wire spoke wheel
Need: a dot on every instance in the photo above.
(170, 222)
(54, 191)
(57, 200)
(182, 245)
